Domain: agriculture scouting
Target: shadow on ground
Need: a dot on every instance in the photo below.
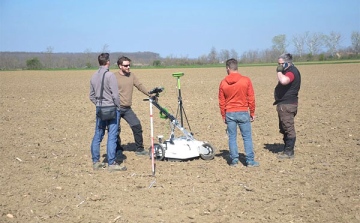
(274, 148)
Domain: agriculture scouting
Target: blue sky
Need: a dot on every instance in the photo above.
(171, 28)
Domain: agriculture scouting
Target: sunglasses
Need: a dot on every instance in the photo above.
(126, 65)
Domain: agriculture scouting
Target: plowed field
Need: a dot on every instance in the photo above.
(47, 123)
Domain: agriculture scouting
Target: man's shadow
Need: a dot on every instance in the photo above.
(128, 147)
(226, 156)
(274, 148)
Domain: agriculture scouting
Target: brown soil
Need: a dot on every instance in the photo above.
(47, 124)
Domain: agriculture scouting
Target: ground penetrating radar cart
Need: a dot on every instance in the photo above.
(175, 148)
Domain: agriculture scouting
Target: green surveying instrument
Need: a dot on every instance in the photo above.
(180, 108)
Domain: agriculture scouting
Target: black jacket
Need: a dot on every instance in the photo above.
(288, 94)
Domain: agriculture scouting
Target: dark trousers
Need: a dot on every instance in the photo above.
(287, 113)
(130, 117)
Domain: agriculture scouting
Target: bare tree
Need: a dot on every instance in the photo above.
(48, 57)
(105, 48)
(212, 57)
(202, 59)
(224, 55)
(355, 42)
(250, 56)
(87, 53)
(313, 42)
(332, 42)
(234, 54)
(279, 43)
(299, 41)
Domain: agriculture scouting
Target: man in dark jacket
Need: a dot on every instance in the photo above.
(286, 101)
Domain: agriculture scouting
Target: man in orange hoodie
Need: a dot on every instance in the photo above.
(236, 100)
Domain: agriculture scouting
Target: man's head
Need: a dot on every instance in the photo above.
(104, 59)
(285, 58)
(231, 65)
(124, 64)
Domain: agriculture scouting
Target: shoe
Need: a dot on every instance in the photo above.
(234, 162)
(141, 153)
(116, 167)
(252, 163)
(98, 165)
(119, 155)
(286, 155)
(288, 150)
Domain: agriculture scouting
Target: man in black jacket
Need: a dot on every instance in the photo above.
(286, 101)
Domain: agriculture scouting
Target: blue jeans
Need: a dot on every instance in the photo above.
(241, 119)
(100, 128)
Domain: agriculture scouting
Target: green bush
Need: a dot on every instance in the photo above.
(309, 57)
(156, 63)
(34, 64)
(88, 65)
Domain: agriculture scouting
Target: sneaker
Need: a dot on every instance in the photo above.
(252, 163)
(234, 162)
(98, 165)
(141, 153)
(116, 167)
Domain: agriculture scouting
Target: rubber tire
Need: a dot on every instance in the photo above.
(211, 153)
(158, 148)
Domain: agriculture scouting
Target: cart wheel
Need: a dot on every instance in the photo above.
(159, 153)
(210, 152)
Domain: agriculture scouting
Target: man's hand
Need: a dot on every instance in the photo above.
(153, 96)
(279, 68)
(252, 118)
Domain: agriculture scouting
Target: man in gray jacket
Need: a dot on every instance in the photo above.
(110, 97)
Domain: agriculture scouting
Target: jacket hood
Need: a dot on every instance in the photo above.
(232, 78)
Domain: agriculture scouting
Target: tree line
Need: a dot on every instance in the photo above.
(308, 47)
(51, 60)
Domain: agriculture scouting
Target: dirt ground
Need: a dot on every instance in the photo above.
(47, 124)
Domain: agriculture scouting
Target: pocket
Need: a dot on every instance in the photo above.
(291, 108)
(244, 117)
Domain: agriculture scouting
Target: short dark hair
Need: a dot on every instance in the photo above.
(103, 59)
(287, 57)
(232, 64)
(122, 59)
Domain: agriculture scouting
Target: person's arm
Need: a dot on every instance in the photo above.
(251, 100)
(114, 88)
(283, 79)
(140, 86)
(222, 103)
(92, 94)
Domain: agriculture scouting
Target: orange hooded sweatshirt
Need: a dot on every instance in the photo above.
(236, 93)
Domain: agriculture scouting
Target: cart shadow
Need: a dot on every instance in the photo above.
(226, 156)
(274, 148)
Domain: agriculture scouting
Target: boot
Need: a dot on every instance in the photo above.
(137, 131)
(289, 149)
